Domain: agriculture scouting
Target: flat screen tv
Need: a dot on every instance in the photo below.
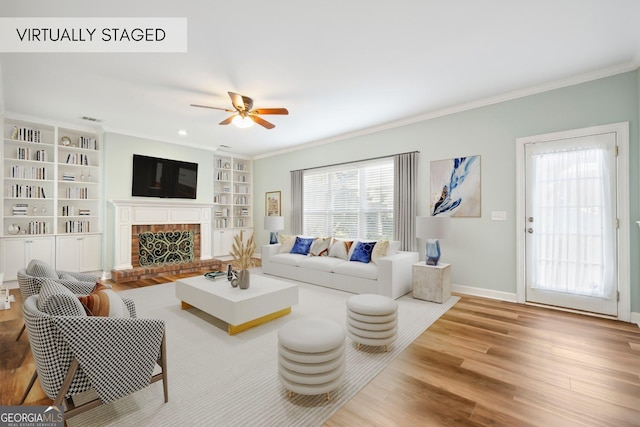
(155, 177)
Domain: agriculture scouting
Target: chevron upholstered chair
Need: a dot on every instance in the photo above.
(74, 352)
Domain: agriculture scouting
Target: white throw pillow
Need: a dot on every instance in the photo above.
(340, 249)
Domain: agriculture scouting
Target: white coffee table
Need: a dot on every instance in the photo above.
(265, 300)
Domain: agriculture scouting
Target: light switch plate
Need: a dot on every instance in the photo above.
(498, 215)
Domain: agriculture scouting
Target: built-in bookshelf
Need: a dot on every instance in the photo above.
(232, 198)
(78, 180)
(51, 179)
(29, 151)
(232, 192)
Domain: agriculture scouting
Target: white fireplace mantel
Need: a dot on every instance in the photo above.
(147, 212)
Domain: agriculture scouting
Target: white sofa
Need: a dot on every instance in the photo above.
(391, 276)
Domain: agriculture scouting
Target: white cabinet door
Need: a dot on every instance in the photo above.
(91, 251)
(16, 253)
(13, 251)
(222, 241)
(79, 253)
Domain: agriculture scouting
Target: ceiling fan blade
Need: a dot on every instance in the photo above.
(212, 108)
(270, 111)
(227, 120)
(241, 102)
(262, 122)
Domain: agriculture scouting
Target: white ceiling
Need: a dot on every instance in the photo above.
(340, 67)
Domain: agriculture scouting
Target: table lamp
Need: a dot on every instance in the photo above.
(273, 224)
(432, 228)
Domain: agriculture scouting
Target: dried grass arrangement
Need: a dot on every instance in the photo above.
(242, 252)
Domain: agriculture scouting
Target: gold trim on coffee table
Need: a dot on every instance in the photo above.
(234, 329)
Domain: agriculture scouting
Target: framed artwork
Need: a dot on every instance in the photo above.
(455, 187)
(272, 203)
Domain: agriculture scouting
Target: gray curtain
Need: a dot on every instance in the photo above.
(404, 193)
(297, 199)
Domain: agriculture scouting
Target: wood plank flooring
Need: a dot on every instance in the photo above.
(484, 363)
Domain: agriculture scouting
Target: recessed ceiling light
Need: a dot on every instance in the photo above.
(182, 132)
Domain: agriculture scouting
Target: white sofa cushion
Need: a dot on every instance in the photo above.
(288, 259)
(357, 269)
(323, 263)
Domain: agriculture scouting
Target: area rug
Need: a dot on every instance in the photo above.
(221, 380)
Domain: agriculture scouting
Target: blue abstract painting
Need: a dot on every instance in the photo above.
(455, 187)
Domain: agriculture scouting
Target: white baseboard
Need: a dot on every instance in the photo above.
(486, 293)
(635, 318)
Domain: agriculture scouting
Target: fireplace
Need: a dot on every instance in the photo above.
(136, 218)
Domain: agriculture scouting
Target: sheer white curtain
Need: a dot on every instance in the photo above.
(573, 219)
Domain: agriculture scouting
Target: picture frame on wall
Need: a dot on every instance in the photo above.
(455, 187)
(273, 203)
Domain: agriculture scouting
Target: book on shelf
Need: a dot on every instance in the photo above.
(20, 209)
(26, 134)
(87, 143)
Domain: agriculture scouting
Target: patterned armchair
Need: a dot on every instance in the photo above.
(73, 352)
(30, 281)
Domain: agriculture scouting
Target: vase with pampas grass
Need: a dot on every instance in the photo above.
(242, 253)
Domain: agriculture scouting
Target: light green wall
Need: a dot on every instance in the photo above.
(119, 150)
(481, 251)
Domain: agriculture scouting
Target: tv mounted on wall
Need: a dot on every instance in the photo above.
(166, 178)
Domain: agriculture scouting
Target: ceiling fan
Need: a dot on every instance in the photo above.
(244, 114)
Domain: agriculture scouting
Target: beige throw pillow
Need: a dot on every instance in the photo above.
(286, 243)
(379, 250)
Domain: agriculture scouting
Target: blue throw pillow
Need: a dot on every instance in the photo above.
(302, 246)
(362, 252)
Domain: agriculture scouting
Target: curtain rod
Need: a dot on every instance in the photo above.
(357, 161)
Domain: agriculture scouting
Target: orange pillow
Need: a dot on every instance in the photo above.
(104, 302)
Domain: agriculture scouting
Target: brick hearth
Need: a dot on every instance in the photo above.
(120, 276)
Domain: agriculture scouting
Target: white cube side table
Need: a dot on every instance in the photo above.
(431, 282)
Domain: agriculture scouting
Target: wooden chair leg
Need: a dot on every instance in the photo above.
(31, 383)
(163, 351)
(21, 332)
(66, 384)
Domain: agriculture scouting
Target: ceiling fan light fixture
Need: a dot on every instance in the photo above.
(242, 121)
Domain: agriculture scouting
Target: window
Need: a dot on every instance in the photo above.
(353, 200)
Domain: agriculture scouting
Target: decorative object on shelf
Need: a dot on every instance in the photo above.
(432, 228)
(273, 224)
(13, 229)
(242, 253)
(455, 187)
(65, 140)
(272, 203)
(43, 209)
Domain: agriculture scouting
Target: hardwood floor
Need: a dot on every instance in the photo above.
(484, 362)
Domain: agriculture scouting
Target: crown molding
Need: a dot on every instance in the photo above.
(521, 93)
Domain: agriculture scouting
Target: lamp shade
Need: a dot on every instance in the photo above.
(274, 223)
(432, 227)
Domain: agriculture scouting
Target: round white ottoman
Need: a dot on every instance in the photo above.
(311, 356)
(372, 320)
